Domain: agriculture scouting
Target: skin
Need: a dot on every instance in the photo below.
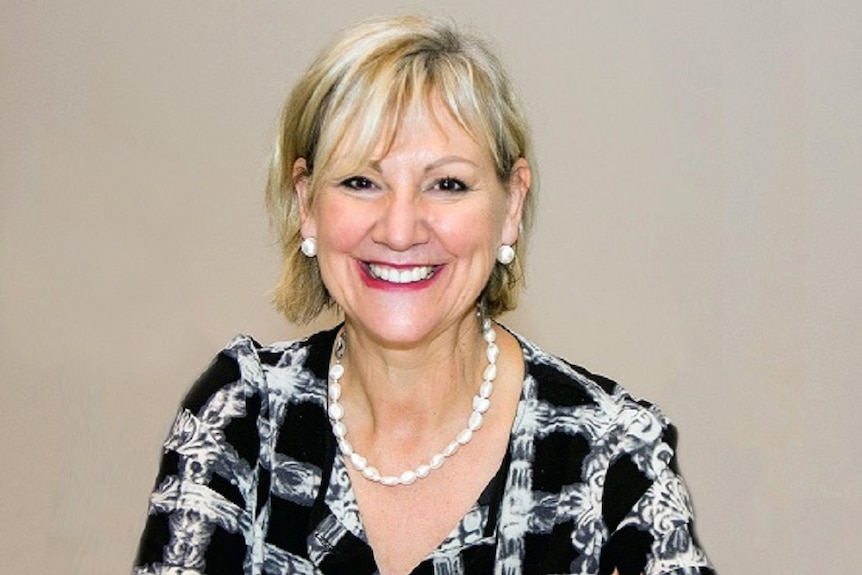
(408, 208)
(415, 355)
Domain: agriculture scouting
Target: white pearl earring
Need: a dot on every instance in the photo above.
(505, 254)
(309, 247)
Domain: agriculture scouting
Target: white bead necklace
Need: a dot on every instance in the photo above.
(481, 403)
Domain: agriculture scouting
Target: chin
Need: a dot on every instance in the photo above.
(395, 326)
(398, 333)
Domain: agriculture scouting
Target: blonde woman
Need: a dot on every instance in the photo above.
(418, 435)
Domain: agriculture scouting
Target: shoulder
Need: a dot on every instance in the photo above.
(561, 382)
(597, 408)
(225, 370)
(244, 390)
(241, 369)
(615, 452)
(217, 453)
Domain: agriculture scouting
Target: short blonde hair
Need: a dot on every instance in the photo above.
(359, 88)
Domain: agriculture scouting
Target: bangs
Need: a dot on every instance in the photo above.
(367, 113)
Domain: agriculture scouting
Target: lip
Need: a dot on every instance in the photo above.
(372, 280)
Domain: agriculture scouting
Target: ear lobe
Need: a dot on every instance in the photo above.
(519, 187)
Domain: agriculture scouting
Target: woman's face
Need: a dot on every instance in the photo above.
(407, 243)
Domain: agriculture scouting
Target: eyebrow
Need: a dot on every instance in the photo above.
(375, 164)
(449, 160)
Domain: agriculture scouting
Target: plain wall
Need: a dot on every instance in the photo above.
(698, 240)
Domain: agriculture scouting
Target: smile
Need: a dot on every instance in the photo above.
(401, 276)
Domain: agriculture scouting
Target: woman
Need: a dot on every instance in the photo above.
(419, 436)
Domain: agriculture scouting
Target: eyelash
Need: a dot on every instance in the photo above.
(447, 185)
(358, 183)
(451, 185)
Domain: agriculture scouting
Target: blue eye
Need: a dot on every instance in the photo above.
(450, 185)
(357, 183)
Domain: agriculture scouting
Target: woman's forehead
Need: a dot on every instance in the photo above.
(423, 118)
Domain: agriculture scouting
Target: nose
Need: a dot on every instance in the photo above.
(403, 221)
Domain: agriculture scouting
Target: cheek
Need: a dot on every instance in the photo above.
(340, 228)
(478, 230)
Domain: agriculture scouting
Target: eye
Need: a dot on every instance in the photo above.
(357, 183)
(450, 185)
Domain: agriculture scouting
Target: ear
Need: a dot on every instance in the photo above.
(300, 175)
(518, 188)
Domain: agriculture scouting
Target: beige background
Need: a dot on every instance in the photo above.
(698, 240)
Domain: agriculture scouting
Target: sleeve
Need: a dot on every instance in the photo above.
(201, 512)
(646, 505)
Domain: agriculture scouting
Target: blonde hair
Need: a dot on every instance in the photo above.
(359, 88)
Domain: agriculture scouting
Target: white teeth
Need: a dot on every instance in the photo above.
(404, 276)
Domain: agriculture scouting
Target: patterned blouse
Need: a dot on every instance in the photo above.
(250, 482)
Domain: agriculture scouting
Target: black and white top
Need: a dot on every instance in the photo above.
(250, 483)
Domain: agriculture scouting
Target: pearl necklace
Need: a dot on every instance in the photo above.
(481, 403)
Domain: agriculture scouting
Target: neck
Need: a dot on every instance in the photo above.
(393, 427)
(416, 387)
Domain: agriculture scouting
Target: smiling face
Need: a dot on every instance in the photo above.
(407, 242)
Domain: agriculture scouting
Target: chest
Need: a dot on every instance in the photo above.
(405, 524)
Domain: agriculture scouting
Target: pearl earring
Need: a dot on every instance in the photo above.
(309, 247)
(505, 254)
